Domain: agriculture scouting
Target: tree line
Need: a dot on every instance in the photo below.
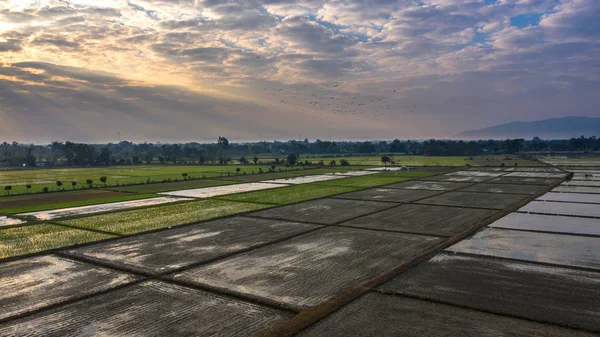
(224, 152)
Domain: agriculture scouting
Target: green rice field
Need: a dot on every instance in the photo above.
(32, 239)
(291, 194)
(140, 220)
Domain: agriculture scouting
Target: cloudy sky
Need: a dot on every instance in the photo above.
(182, 70)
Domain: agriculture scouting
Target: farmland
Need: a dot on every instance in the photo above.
(40, 178)
(83, 227)
(117, 176)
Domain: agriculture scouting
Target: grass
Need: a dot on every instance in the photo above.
(134, 221)
(286, 195)
(36, 238)
(49, 205)
(47, 177)
(289, 174)
(365, 181)
(172, 186)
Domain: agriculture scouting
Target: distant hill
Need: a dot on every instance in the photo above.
(554, 128)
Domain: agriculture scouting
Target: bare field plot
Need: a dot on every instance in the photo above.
(324, 211)
(536, 292)
(429, 185)
(472, 199)
(571, 197)
(134, 221)
(564, 208)
(422, 219)
(108, 207)
(309, 269)
(6, 221)
(389, 194)
(576, 189)
(304, 180)
(209, 192)
(549, 223)
(568, 250)
(172, 186)
(37, 282)
(184, 246)
(424, 318)
(152, 308)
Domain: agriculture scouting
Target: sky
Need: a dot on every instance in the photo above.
(193, 70)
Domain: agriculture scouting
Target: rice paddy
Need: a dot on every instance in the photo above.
(70, 217)
(289, 194)
(36, 238)
(134, 221)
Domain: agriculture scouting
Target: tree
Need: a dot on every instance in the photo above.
(243, 160)
(184, 175)
(73, 184)
(385, 160)
(255, 160)
(103, 180)
(30, 159)
(59, 184)
(223, 142)
(237, 170)
(344, 162)
(104, 157)
(161, 159)
(292, 159)
(90, 182)
(45, 189)
(7, 189)
(148, 158)
(332, 163)
(28, 187)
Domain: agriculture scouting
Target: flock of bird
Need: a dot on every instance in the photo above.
(322, 103)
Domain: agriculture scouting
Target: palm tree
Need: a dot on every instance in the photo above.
(103, 180)
(385, 160)
(73, 184)
(59, 184)
(28, 187)
(7, 189)
(90, 182)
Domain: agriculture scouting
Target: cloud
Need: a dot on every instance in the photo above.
(394, 68)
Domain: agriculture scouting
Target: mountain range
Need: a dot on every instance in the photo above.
(554, 128)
